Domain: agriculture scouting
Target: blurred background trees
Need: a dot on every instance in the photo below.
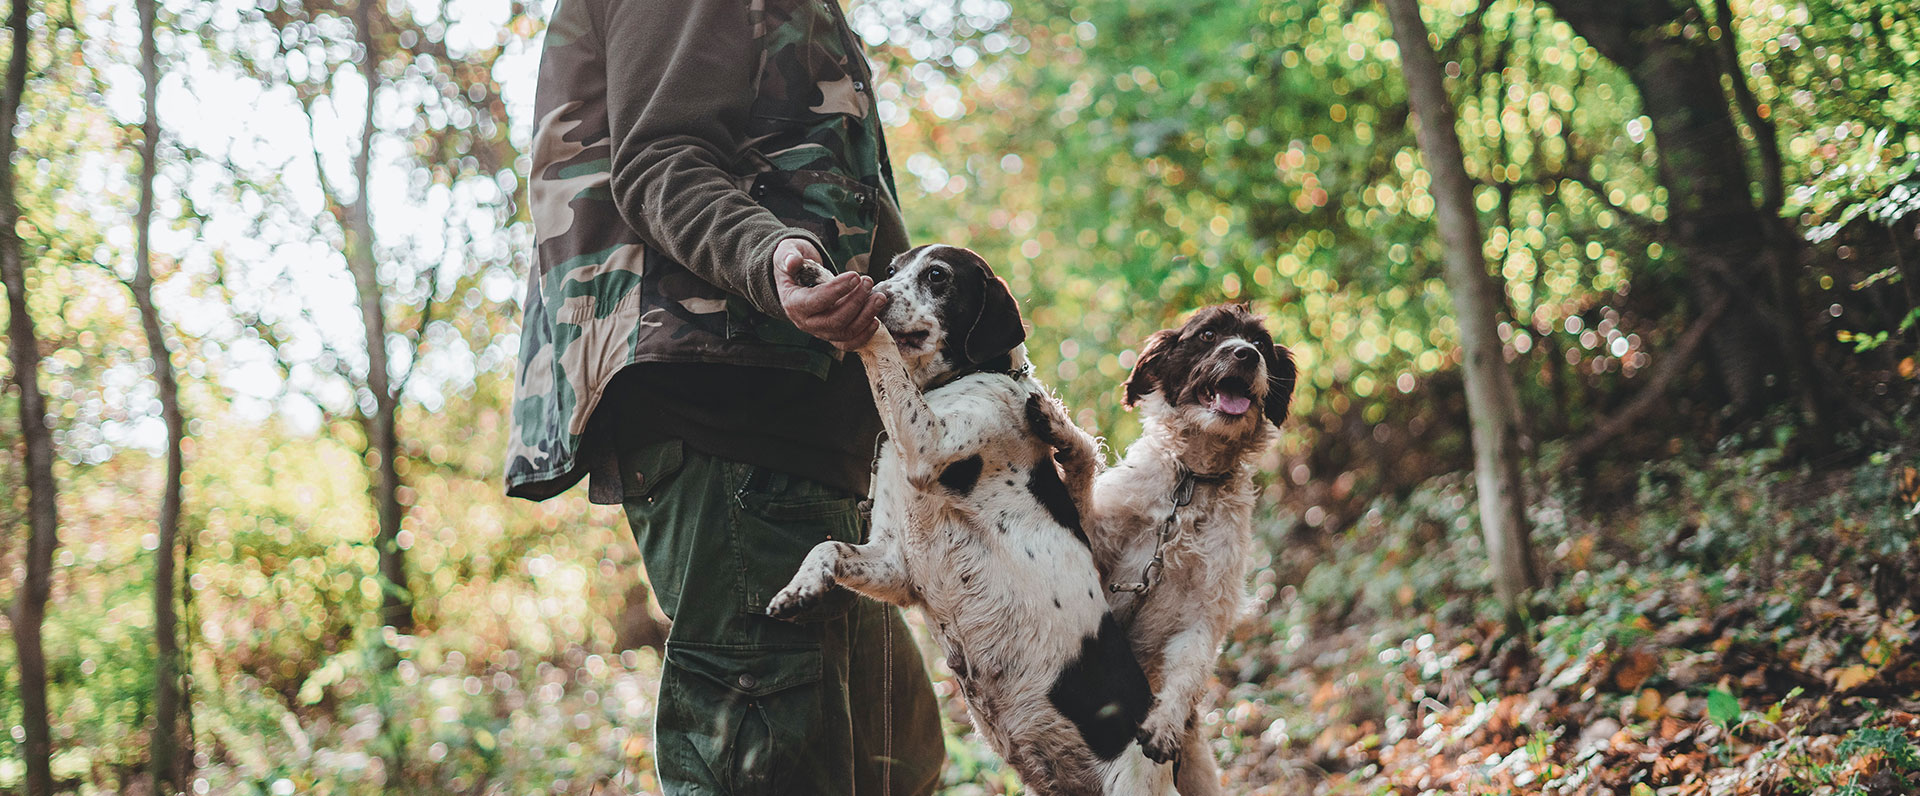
(1698, 220)
(29, 605)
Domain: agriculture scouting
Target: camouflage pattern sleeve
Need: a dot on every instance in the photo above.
(678, 97)
(677, 142)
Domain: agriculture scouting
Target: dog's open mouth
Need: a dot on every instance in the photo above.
(1231, 397)
(912, 341)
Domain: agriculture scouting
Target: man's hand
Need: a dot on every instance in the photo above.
(840, 310)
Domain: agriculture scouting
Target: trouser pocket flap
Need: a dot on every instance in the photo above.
(751, 671)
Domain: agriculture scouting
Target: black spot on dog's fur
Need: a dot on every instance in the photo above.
(1103, 691)
(960, 476)
(1046, 487)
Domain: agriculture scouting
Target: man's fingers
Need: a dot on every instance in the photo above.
(857, 337)
(848, 309)
(790, 266)
(822, 298)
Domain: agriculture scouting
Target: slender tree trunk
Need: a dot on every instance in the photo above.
(396, 605)
(30, 606)
(169, 766)
(1491, 401)
(1738, 252)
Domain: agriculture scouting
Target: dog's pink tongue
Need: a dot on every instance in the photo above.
(1232, 404)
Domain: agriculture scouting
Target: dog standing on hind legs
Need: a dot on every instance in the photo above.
(1172, 523)
(974, 524)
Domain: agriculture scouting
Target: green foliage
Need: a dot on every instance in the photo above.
(1121, 163)
(1890, 743)
(1723, 708)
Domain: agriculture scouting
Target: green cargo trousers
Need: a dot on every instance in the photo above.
(837, 704)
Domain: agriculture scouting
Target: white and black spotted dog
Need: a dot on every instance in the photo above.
(1171, 524)
(974, 524)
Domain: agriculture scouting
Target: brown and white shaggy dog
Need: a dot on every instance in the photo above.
(1171, 524)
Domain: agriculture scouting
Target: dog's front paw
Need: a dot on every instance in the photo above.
(1159, 741)
(810, 273)
(1040, 421)
(882, 340)
(796, 600)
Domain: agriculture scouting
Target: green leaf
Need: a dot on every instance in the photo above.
(1722, 707)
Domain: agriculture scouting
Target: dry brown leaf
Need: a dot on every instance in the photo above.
(1876, 653)
(1848, 678)
(1635, 668)
(1649, 705)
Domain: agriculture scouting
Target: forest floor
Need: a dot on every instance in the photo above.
(1732, 623)
(1738, 627)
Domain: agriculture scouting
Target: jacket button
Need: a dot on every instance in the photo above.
(748, 681)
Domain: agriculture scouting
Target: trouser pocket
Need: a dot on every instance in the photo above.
(777, 521)
(737, 719)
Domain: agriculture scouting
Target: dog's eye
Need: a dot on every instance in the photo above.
(936, 276)
(1207, 336)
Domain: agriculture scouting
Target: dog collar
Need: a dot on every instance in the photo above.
(1181, 497)
(1016, 373)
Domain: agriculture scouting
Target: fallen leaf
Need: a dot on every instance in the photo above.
(1635, 669)
(1849, 677)
(1649, 705)
(1876, 653)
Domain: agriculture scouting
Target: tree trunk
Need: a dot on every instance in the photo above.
(1737, 252)
(30, 606)
(1492, 404)
(396, 604)
(169, 766)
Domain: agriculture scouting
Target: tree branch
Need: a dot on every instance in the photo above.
(1671, 365)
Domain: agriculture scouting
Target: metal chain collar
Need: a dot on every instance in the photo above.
(1182, 496)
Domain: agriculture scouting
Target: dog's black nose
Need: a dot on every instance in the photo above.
(1243, 353)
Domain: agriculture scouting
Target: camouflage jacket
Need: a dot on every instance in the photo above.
(677, 143)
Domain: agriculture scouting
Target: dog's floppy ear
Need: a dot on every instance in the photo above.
(996, 330)
(1142, 380)
(1280, 376)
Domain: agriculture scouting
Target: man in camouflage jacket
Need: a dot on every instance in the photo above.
(687, 153)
